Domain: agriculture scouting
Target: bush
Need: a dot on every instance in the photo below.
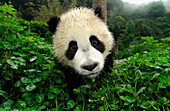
(40, 28)
(147, 44)
(27, 66)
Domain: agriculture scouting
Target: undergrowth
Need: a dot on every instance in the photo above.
(30, 79)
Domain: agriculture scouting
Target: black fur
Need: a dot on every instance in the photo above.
(98, 12)
(52, 23)
(75, 80)
(97, 44)
(72, 49)
(107, 65)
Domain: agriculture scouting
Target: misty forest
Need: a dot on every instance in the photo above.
(30, 79)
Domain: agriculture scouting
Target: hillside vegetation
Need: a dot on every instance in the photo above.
(30, 79)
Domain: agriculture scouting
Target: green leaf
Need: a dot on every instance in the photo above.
(22, 103)
(51, 96)
(70, 104)
(17, 84)
(9, 61)
(161, 85)
(30, 87)
(145, 105)
(38, 79)
(41, 108)
(11, 39)
(22, 89)
(29, 101)
(59, 81)
(24, 95)
(39, 99)
(31, 70)
(7, 105)
(129, 99)
(77, 108)
(76, 91)
(14, 66)
(18, 54)
(140, 91)
(25, 80)
(122, 97)
(25, 48)
(33, 59)
(8, 45)
(126, 103)
(55, 90)
(155, 76)
(101, 108)
(4, 94)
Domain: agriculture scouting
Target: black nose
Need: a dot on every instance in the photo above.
(90, 67)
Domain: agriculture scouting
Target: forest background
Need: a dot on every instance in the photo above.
(128, 22)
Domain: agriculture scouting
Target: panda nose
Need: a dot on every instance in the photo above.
(90, 67)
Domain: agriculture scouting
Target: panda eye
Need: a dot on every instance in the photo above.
(94, 42)
(74, 47)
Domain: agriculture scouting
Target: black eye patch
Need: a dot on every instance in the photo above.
(97, 44)
(72, 49)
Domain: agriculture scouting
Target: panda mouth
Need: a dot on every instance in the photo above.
(92, 75)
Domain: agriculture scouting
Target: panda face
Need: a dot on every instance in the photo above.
(82, 41)
(86, 57)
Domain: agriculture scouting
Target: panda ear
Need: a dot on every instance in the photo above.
(98, 12)
(52, 23)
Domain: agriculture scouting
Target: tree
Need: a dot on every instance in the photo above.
(84, 3)
(114, 7)
(53, 7)
(156, 9)
(25, 7)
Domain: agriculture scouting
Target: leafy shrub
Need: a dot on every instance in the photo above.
(39, 28)
(27, 63)
(147, 44)
(30, 79)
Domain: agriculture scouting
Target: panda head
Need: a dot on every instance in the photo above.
(81, 40)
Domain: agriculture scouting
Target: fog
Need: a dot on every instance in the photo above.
(132, 5)
(141, 1)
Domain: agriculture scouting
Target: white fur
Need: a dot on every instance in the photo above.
(79, 24)
(88, 55)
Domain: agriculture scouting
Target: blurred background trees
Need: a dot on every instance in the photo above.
(128, 22)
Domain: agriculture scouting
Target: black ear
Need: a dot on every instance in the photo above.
(52, 23)
(98, 12)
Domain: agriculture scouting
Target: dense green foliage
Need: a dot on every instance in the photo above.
(39, 28)
(26, 66)
(129, 23)
(30, 79)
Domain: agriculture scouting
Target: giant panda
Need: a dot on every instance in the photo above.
(83, 45)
